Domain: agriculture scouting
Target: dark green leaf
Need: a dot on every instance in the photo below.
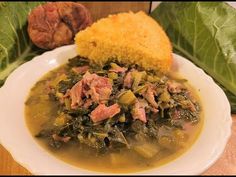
(204, 32)
(78, 61)
(15, 45)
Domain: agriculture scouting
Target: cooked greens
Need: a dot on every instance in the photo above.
(204, 32)
(136, 109)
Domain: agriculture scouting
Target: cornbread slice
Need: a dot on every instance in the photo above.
(131, 38)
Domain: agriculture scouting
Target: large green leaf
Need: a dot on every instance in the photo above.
(205, 33)
(15, 46)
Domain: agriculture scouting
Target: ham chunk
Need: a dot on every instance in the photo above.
(138, 112)
(128, 80)
(80, 69)
(99, 88)
(149, 95)
(76, 94)
(94, 86)
(143, 103)
(59, 138)
(87, 103)
(102, 112)
(174, 87)
(118, 69)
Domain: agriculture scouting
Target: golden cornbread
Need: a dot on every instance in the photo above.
(132, 38)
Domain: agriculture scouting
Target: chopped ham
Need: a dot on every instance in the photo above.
(94, 86)
(76, 94)
(59, 138)
(94, 95)
(144, 104)
(118, 69)
(80, 69)
(103, 87)
(149, 96)
(154, 110)
(174, 87)
(128, 80)
(102, 112)
(138, 112)
(104, 94)
(67, 94)
(87, 103)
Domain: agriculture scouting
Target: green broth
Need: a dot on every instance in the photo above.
(40, 111)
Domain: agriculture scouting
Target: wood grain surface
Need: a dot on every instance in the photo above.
(103, 9)
(226, 163)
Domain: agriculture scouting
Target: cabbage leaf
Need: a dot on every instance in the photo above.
(15, 45)
(205, 33)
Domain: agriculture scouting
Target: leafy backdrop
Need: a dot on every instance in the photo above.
(205, 33)
(15, 46)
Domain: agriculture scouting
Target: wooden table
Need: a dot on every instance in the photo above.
(225, 165)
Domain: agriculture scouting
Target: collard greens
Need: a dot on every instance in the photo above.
(15, 46)
(205, 33)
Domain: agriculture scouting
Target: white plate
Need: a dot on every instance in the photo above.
(16, 138)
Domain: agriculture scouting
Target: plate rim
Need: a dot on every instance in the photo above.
(8, 147)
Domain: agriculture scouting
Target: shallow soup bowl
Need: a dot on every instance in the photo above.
(16, 138)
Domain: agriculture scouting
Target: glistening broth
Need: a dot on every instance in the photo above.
(41, 112)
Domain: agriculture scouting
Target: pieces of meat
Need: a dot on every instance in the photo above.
(102, 112)
(59, 138)
(75, 15)
(100, 88)
(94, 86)
(138, 112)
(87, 103)
(80, 69)
(174, 87)
(76, 94)
(118, 69)
(94, 95)
(128, 80)
(54, 24)
(154, 110)
(149, 95)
